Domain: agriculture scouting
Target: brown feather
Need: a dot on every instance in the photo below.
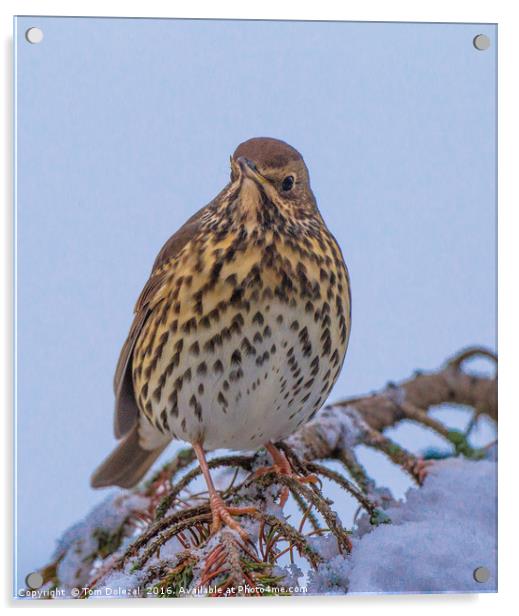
(267, 152)
(127, 464)
(126, 409)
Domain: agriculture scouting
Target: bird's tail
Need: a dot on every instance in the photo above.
(127, 464)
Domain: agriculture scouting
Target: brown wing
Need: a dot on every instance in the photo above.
(126, 409)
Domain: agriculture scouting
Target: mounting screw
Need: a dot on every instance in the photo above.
(481, 42)
(481, 575)
(34, 580)
(34, 35)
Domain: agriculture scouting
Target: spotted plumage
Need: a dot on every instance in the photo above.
(242, 328)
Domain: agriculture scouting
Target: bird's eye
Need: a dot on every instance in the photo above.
(287, 183)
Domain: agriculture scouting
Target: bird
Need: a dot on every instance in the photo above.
(241, 330)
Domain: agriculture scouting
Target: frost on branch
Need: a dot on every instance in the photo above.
(155, 541)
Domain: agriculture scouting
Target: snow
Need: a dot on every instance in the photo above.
(331, 578)
(121, 584)
(80, 541)
(291, 574)
(326, 546)
(439, 535)
(339, 427)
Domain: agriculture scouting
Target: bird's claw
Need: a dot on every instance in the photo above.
(419, 468)
(223, 515)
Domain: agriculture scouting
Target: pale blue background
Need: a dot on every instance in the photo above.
(124, 129)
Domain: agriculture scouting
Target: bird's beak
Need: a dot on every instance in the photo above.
(249, 169)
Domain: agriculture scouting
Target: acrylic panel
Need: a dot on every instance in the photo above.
(379, 477)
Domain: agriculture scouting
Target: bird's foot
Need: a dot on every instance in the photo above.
(223, 515)
(283, 467)
(419, 469)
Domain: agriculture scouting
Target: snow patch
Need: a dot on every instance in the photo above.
(79, 544)
(339, 427)
(440, 534)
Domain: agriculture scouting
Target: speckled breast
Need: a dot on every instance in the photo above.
(247, 341)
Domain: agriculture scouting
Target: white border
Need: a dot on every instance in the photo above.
(497, 11)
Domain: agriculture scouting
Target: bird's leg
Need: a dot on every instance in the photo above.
(282, 466)
(222, 514)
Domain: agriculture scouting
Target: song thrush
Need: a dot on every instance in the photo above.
(241, 330)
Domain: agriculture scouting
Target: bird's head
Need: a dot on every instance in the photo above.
(274, 170)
